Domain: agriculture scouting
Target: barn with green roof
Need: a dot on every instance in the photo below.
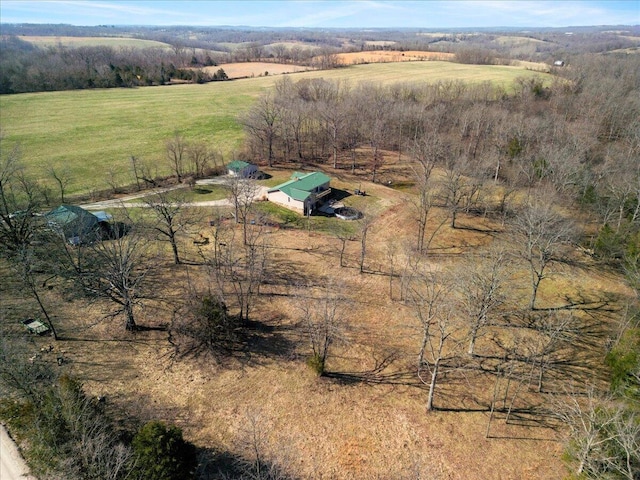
(77, 224)
(303, 193)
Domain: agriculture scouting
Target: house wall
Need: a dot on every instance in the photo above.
(283, 199)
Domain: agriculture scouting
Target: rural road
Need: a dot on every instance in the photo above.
(12, 466)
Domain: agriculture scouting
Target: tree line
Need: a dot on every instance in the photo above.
(576, 135)
(24, 68)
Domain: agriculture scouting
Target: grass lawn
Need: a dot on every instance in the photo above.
(94, 133)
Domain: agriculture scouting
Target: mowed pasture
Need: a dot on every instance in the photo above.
(256, 69)
(93, 133)
(74, 42)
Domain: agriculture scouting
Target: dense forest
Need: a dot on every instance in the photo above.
(553, 167)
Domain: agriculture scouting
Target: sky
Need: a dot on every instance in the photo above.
(428, 14)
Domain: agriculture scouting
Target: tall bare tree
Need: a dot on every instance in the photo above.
(322, 321)
(238, 269)
(263, 122)
(62, 177)
(116, 269)
(440, 329)
(176, 151)
(172, 215)
(541, 235)
(199, 158)
(603, 439)
(242, 193)
(23, 239)
(480, 281)
(427, 151)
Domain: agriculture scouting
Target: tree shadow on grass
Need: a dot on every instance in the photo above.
(251, 342)
(260, 341)
(379, 374)
(223, 465)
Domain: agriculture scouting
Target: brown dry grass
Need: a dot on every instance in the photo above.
(384, 56)
(326, 428)
(255, 69)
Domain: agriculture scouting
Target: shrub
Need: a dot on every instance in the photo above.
(316, 363)
(162, 453)
(624, 361)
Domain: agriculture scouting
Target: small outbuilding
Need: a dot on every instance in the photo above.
(303, 193)
(238, 168)
(558, 63)
(76, 224)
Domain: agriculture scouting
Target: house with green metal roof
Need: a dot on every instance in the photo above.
(238, 168)
(303, 193)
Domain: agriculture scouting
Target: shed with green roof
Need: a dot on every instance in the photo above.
(238, 168)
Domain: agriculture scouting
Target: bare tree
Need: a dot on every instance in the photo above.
(556, 333)
(262, 122)
(365, 225)
(135, 165)
(62, 177)
(176, 149)
(199, 159)
(427, 151)
(242, 193)
(17, 205)
(253, 441)
(480, 281)
(238, 269)
(23, 240)
(439, 346)
(459, 191)
(603, 439)
(116, 269)
(334, 116)
(541, 234)
(375, 106)
(322, 322)
(172, 217)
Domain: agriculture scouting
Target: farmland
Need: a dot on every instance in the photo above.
(75, 42)
(95, 131)
(468, 325)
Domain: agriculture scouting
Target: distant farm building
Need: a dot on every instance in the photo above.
(302, 193)
(242, 169)
(78, 225)
(558, 63)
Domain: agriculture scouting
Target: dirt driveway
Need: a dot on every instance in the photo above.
(12, 466)
(127, 202)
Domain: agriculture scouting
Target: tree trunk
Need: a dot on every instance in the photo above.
(131, 322)
(44, 312)
(174, 249)
(432, 385)
(472, 340)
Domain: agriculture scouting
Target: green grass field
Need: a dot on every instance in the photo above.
(93, 133)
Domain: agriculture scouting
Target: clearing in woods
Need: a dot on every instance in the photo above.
(367, 419)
